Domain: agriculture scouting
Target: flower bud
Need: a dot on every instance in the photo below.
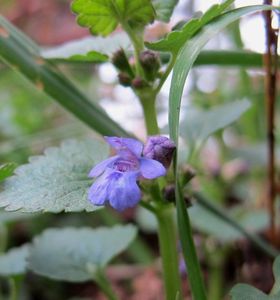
(139, 83)
(120, 61)
(160, 148)
(150, 63)
(124, 79)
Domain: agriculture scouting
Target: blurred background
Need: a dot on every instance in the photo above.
(231, 165)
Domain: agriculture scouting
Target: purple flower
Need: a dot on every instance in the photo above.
(160, 148)
(117, 176)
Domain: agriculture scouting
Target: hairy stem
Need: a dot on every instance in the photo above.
(270, 60)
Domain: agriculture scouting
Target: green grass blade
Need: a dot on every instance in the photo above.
(17, 52)
(186, 57)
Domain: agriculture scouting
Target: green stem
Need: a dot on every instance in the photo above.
(169, 253)
(166, 74)
(14, 284)
(104, 284)
(150, 114)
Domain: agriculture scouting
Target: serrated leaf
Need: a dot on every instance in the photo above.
(14, 261)
(56, 181)
(198, 125)
(73, 254)
(89, 49)
(176, 39)
(102, 17)
(6, 170)
(164, 9)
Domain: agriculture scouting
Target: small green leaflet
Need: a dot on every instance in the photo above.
(102, 17)
(14, 261)
(164, 9)
(176, 39)
(246, 292)
(56, 181)
(6, 170)
(89, 49)
(75, 254)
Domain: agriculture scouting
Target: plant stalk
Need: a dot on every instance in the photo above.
(270, 60)
(169, 252)
(148, 102)
(101, 280)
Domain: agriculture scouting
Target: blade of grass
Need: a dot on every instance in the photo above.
(17, 52)
(221, 214)
(186, 57)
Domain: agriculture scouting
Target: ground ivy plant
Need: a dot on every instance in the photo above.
(83, 176)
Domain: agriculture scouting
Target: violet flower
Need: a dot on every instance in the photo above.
(117, 176)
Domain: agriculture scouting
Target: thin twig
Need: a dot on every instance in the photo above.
(270, 60)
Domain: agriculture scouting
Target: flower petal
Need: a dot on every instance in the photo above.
(151, 168)
(120, 143)
(97, 193)
(123, 191)
(100, 168)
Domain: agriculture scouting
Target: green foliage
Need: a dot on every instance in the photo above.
(206, 222)
(190, 50)
(14, 261)
(247, 292)
(15, 51)
(56, 181)
(164, 9)
(102, 17)
(90, 49)
(76, 254)
(176, 39)
(198, 125)
(6, 170)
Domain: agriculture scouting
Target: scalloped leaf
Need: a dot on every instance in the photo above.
(74, 254)
(6, 170)
(176, 39)
(102, 17)
(243, 291)
(164, 9)
(14, 262)
(89, 49)
(56, 181)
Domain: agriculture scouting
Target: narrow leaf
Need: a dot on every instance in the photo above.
(14, 261)
(6, 170)
(102, 17)
(75, 254)
(176, 39)
(14, 51)
(186, 57)
(164, 9)
(57, 181)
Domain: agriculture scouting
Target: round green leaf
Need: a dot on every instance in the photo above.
(14, 261)
(73, 254)
(56, 181)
